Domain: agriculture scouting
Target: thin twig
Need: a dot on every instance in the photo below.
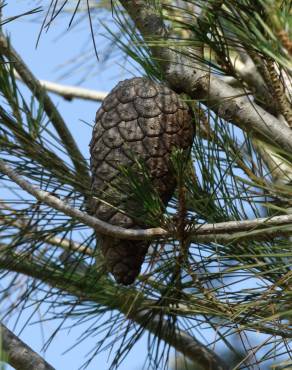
(71, 92)
(20, 355)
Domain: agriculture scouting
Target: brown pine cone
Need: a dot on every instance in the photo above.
(144, 119)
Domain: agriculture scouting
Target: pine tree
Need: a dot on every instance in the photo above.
(220, 253)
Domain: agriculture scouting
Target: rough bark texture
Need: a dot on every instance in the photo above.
(20, 355)
(138, 119)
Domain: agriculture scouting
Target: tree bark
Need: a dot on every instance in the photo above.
(20, 356)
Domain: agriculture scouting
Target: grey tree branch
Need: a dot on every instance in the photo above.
(71, 92)
(99, 225)
(125, 302)
(223, 231)
(34, 85)
(186, 75)
(20, 355)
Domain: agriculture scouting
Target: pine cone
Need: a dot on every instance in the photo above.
(144, 119)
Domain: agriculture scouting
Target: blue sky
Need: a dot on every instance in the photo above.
(46, 61)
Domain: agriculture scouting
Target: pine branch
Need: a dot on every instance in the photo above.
(84, 290)
(223, 231)
(50, 109)
(99, 225)
(71, 92)
(185, 75)
(20, 355)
